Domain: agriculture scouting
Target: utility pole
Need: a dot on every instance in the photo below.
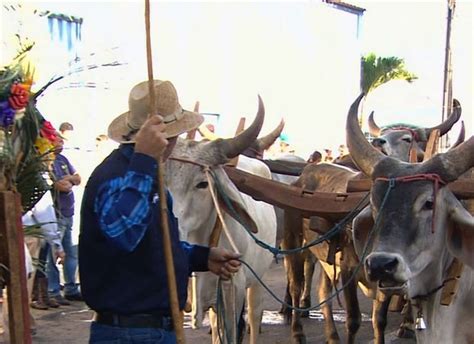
(448, 75)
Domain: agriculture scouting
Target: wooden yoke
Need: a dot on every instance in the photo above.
(191, 135)
(330, 205)
(431, 146)
(12, 255)
(240, 128)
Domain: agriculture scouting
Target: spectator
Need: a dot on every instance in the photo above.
(315, 157)
(328, 155)
(43, 216)
(65, 129)
(65, 178)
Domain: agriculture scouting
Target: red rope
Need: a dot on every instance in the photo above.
(435, 178)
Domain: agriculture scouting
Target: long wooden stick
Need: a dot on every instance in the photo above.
(168, 253)
(13, 255)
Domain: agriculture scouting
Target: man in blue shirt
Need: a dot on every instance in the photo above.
(122, 266)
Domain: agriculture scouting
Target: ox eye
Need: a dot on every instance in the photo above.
(429, 205)
(407, 139)
(202, 185)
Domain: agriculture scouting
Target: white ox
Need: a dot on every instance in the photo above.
(193, 205)
(421, 229)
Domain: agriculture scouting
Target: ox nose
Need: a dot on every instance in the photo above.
(381, 266)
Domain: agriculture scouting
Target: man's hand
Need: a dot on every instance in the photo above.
(223, 262)
(60, 255)
(63, 185)
(74, 179)
(151, 138)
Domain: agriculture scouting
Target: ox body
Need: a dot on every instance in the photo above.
(197, 212)
(420, 228)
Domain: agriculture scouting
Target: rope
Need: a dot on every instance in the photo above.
(219, 212)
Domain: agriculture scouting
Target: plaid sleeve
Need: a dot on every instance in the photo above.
(122, 203)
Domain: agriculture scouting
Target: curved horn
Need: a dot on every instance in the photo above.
(374, 129)
(265, 142)
(454, 162)
(449, 122)
(236, 145)
(365, 156)
(461, 136)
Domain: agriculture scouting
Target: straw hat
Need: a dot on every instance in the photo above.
(178, 121)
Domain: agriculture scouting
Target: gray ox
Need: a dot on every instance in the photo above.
(194, 207)
(334, 178)
(398, 139)
(421, 229)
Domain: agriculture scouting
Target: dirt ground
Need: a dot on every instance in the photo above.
(70, 324)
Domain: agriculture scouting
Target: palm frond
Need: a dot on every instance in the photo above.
(377, 71)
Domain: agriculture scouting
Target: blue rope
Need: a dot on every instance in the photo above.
(220, 310)
(356, 270)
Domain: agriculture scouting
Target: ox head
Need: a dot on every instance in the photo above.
(420, 228)
(187, 180)
(256, 149)
(398, 140)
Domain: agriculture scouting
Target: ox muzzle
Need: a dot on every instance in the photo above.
(387, 269)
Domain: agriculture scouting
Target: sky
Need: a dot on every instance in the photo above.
(416, 31)
(227, 52)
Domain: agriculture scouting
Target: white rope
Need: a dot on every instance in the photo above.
(232, 243)
(219, 213)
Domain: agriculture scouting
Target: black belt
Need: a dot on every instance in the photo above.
(135, 320)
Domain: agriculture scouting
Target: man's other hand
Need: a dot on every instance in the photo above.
(223, 262)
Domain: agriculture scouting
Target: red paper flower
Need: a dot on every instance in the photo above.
(18, 97)
(48, 132)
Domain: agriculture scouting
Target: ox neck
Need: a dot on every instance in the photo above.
(447, 324)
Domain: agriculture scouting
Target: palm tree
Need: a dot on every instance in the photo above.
(377, 71)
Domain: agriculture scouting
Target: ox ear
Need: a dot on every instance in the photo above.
(232, 203)
(361, 227)
(461, 235)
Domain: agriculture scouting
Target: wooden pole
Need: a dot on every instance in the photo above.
(448, 74)
(168, 253)
(13, 256)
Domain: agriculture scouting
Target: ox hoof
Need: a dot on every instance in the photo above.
(404, 332)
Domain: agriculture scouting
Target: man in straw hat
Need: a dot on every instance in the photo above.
(122, 265)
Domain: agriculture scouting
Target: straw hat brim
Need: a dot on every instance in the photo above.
(118, 128)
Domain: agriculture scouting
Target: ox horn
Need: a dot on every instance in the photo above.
(449, 122)
(365, 156)
(374, 129)
(265, 142)
(461, 136)
(236, 145)
(454, 162)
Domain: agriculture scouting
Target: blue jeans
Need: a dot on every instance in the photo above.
(70, 262)
(104, 334)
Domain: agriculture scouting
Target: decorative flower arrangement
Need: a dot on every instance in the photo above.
(26, 138)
